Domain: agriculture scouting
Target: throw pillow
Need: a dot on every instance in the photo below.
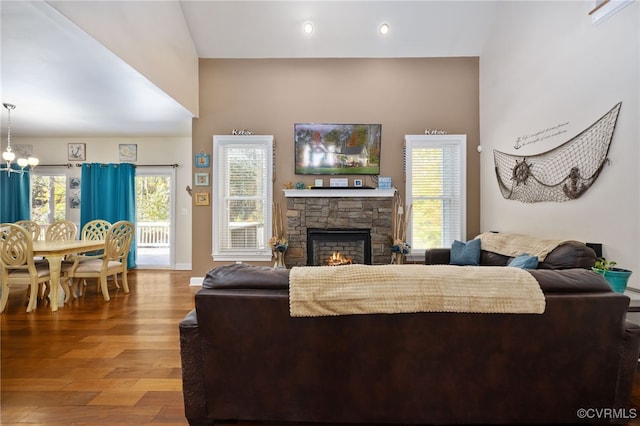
(464, 254)
(524, 261)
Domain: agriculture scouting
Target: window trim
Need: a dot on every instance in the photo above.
(52, 171)
(436, 141)
(171, 174)
(251, 255)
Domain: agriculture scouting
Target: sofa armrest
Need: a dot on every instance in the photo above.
(628, 362)
(437, 256)
(195, 404)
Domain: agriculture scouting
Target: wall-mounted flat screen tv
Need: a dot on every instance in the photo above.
(337, 149)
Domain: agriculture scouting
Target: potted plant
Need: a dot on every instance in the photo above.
(616, 277)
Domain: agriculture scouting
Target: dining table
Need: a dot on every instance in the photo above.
(54, 252)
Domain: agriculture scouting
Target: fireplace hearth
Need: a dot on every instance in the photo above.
(322, 244)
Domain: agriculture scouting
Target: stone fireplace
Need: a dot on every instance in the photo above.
(360, 210)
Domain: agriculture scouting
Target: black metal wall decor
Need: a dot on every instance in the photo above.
(564, 173)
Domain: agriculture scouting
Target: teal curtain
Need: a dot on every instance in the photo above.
(108, 192)
(15, 193)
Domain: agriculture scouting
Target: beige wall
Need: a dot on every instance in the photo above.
(267, 96)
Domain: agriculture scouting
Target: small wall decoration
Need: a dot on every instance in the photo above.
(128, 152)
(201, 179)
(562, 173)
(434, 132)
(202, 198)
(74, 199)
(74, 183)
(22, 150)
(76, 152)
(236, 132)
(540, 135)
(202, 160)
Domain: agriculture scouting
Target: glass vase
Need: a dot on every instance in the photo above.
(279, 263)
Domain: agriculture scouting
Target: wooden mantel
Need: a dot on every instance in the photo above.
(338, 192)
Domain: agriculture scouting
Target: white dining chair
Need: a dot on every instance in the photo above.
(17, 264)
(111, 263)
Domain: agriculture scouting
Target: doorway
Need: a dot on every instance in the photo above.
(155, 217)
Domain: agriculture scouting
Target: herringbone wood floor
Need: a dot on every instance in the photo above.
(97, 363)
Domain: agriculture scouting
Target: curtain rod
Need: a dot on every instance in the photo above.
(67, 165)
(175, 165)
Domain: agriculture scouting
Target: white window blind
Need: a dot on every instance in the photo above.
(242, 199)
(436, 188)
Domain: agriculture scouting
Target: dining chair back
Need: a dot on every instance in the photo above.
(112, 262)
(95, 230)
(17, 264)
(61, 230)
(31, 226)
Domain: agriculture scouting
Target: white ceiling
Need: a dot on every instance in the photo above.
(66, 84)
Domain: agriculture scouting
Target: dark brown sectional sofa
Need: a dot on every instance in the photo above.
(245, 358)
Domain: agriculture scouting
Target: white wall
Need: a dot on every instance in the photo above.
(547, 64)
(152, 37)
(151, 151)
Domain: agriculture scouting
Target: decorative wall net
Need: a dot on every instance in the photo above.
(561, 174)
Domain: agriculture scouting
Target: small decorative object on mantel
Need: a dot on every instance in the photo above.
(399, 246)
(300, 185)
(278, 242)
(561, 174)
(384, 182)
(288, 185)
(434, 132)
(236, 132)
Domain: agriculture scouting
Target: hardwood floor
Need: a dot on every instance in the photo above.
(97, 363)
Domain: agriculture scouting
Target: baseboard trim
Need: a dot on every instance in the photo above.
(196, 281)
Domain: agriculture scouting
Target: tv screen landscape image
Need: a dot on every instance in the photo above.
(337, 149)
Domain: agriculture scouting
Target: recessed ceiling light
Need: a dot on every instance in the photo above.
(308, 27)
(384, 29)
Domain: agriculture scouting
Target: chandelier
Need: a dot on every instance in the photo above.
(8, 156)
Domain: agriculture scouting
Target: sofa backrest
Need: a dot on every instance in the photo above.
(568, 255)
(246, 276)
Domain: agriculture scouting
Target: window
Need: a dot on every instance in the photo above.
(242, 197)
(49, 195)
(436, 188)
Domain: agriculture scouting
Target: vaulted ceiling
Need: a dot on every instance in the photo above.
(65, 83)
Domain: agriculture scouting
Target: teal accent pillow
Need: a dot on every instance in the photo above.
(465, 254)
(524, 261)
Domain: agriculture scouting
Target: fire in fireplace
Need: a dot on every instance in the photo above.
(352, 244)
(337, 259)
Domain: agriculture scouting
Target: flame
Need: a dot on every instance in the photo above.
(337, 259)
